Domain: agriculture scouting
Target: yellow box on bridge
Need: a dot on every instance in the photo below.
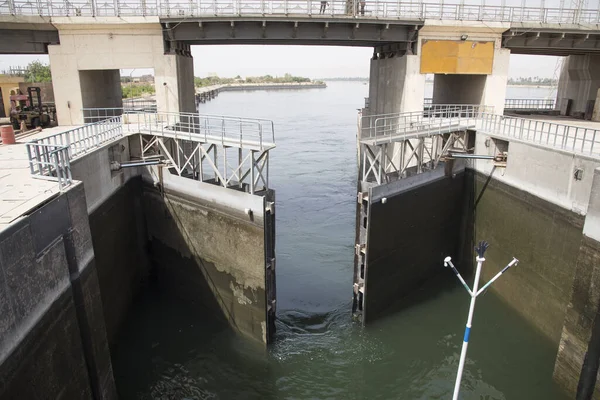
(457, 57)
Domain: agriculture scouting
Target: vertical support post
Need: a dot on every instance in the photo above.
(225, 166)
(239, 168)
(252, 166)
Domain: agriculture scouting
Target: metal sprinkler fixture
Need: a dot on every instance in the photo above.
(480, 249)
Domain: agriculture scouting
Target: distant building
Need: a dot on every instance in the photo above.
(8, 83)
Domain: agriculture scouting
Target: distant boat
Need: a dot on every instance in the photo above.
(364, 83)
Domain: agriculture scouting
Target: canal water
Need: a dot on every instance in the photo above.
(173, 350)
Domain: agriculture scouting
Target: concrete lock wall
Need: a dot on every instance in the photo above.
(547, 216)
(52, 336)
(117, 225)
(113, 43)
(206, 245)
(578, 357)
(410, 234)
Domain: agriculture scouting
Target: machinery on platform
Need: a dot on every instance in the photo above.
(30, 110)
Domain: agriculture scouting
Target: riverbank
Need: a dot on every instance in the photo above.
(261, 86)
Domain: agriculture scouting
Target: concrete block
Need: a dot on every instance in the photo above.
(90, 313)
(7, 317)
(30, 283)
(49, 222)
(48, 362)
(16, 244)
(78, 240)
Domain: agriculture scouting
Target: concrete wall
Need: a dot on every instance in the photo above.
(206, 246)
(117, 227)
(52, 336)
(47, 91)
(544, 172)
(579, 81)
(578, 357)
(409, 236)
(94, 170)
(543, 236)
(458, 89)
(7, 84)
(134, 42)
(396, 85)
(120, 244)
(101, 88)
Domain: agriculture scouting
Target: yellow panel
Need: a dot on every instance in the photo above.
(457, 57)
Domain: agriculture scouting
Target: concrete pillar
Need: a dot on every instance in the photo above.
(578, 359)
(486, 90)
(494, 93)
(396, 85)
(92, 53)
(596, 113)
(101, 88)
(174, 80)
(579, 82)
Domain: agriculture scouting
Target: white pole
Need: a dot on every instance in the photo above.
(480, 249)
(463, 353)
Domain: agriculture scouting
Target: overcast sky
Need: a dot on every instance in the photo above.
(311, 61)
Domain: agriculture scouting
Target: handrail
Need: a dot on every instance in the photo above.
(226, 130)
(514, 104)
(570, 138)
(437, 117)
(386, 9)
(50, 156)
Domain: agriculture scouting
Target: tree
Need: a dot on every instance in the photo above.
(38, 72)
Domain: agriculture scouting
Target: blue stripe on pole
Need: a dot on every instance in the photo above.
(467, 333)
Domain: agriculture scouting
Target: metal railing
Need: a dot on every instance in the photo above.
(335, 8)
(529, 104)
(139, 105)
(218, 129)
(49, 157)
(48, 161)
(514, 104)
(437, 118)
(570, 138)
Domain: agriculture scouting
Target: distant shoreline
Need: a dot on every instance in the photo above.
(234, 87)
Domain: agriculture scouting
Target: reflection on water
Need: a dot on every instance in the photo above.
(172, 350)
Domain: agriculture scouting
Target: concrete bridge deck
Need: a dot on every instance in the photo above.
(527, 30)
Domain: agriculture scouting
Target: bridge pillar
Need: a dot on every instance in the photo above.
(469, 64)
(85, 66)
(396, 85)
(578, 85)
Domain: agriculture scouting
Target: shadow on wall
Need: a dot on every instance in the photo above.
(119, 239)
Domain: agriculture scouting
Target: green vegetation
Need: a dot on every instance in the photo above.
(132, 90)
(216, 80)
(38, 72)
(537, 81)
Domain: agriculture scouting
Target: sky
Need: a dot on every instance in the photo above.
(310, 61)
